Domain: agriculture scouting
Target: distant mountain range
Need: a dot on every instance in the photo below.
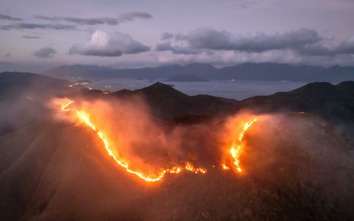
(247, 71)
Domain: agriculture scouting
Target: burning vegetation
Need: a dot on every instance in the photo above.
(157, 163)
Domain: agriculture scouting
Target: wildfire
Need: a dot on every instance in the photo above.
(149, 177)
(234, 150)
(192, 168)
(154, 175)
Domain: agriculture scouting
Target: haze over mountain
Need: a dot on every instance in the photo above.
(23, 97)
(247, 71)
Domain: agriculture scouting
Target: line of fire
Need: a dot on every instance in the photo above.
(231, 156)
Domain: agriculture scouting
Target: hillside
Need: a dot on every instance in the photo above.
(297, 157)
(297, 168)
(332, 102)
(15, 83)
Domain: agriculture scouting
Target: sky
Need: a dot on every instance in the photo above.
(38, 35)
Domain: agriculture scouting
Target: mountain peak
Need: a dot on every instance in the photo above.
(159, 87)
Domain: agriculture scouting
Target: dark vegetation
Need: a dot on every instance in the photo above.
(298, 166)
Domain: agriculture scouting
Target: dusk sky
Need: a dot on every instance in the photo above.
(40, 34)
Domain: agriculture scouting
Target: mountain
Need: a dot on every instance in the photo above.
(58, 171)
(170, 104)
(296, 158)
(247, 71)
(163, 72)
(332, 102)
(15, 83)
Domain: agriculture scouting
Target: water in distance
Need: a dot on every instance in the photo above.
(236, 89)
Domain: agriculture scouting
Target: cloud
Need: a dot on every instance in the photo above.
(97, 20)
(8, 17)
(46, 52)
(109, 45)
(20, 26)
(345, 47)
(304, 42)
(82, 21)
(8, 54)
(30, 37)
(132, 15)
(226, 58)
(260, 42)
(166, 36)
(176, 49)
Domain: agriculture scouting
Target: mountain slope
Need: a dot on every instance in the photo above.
(61, 172)
(332, 102)
(14, 83)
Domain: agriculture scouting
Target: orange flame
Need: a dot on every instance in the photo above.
(192, 168)
(234, 150)
(149, 177)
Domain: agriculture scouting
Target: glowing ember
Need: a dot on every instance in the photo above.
(234, 150)
(191, 168)
(149, 177)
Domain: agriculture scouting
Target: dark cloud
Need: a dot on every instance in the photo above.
(221, 40)
(8, 54)
(109, 45)
(166, 36)
(8, 17)
(46, 52)
(19, 26)
(345, 47)
(132, 15)
(164, 47)
(98, 20)
(82, 21)
(30, 37)
(176, 49)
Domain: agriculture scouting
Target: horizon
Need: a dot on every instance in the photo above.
(120, 34)
(43, 71)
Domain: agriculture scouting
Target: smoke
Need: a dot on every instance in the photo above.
(23, 98)
(144, 143)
